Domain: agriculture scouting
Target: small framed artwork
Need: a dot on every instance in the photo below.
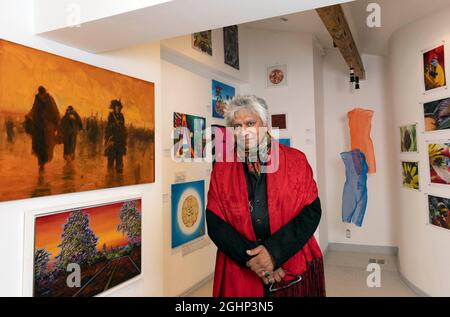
(221, 93)
(231, 46)
(439, 161)
(202, 41)
(279, 121)
(83, 251)
(434, 67)
(189, 136)
(437, 115)
(188, 212)
(277, 75)
(410, 175)
(439, 211)
(408, 137)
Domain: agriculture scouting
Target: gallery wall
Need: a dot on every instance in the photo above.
(423, 248)
(339, 98)
(142, 62)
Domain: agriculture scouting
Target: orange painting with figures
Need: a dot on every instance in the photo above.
(66, 126)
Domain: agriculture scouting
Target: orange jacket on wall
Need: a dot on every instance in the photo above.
(360, 124)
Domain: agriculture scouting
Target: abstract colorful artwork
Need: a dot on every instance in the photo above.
(66, 126)
(220, 94)
(279, 121)
(439, 158)
(408, 138)
(434, 68)
(276, 75)
(188, 212)
(410, 175)
(437, 115)
(202, 41)
(189, 136)
(102, 243)
(439, 213)
(231, 46)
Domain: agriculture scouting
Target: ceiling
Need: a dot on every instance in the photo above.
(394, 15)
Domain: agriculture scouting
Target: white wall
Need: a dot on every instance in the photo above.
(339, 98)
(321, 176)
(141, 62)
(423, 249)
(297, 99)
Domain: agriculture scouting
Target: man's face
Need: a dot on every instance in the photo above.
(246, 126)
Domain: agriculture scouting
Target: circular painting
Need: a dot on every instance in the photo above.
(276, 76)
(189, 211)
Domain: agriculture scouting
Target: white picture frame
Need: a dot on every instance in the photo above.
(277, 75)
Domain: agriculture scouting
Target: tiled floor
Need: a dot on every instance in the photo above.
(346, 275)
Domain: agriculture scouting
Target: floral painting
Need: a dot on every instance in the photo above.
(437, 115)
(434, 68)
(410, 175)
(439, 158)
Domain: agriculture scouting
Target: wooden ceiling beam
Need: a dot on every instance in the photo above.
(334, 19)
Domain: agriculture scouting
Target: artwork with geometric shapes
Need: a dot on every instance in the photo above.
(102, 243)
(202, 41)
(408, 137)
(231, 46)
(188, 212)
(221, 93)
(276, 75)
(189, 136)
(439, 160)
(410, 175)
(439, 211)
(68, 127)
(434, 68)
(437, 115)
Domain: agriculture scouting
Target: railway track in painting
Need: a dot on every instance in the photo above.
(113, 273)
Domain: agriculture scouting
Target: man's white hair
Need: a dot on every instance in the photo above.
(250, 103)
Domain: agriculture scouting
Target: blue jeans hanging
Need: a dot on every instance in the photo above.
(354, 198)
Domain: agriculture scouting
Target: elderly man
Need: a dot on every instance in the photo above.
(262, 212)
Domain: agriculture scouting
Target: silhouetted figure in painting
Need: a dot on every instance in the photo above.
(115, 137)
(9, 127)
(92, 129)
(70, 126)
(42, 124)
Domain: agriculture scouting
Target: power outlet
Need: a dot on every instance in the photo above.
(348, 234)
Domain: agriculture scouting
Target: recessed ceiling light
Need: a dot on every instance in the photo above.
(284, 19)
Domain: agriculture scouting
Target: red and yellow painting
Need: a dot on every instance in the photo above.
(66, 126)
(104, 242)
(434, 68)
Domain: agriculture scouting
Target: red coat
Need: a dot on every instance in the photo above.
(289, 188)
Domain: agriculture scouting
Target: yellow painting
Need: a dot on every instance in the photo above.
(66, 126)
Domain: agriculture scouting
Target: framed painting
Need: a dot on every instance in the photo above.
(439, 211)
(69, 126)
(279, 121)
(188, 212)
(83, 251)
(276, 75)
(410, 175)
(437, 115)
(285, 141)
(220, 94)
(231, 46)
(408, 138)
(434, 68)
(439, 161)
(202, 41)
(189, 136)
